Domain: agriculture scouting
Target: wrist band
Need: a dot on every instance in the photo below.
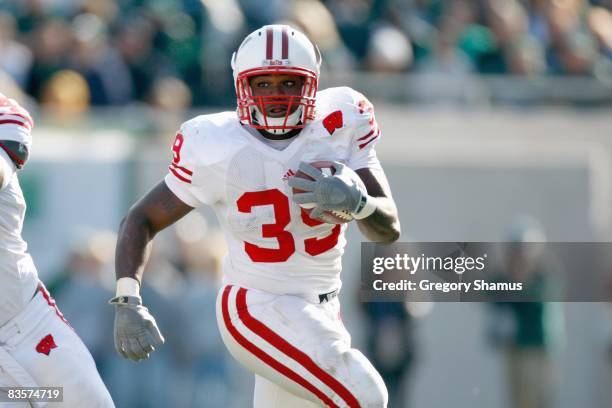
(366, 207)
(126, 300)
(128, 287)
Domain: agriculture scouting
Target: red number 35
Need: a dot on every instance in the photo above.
(282, 217)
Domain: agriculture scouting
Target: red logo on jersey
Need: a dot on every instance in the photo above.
(333, 121)
(46, 344)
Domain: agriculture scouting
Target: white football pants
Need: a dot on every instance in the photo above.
(39, 349)
(299, 350)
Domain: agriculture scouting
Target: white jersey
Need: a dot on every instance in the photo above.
(273, 245)
(18, 277)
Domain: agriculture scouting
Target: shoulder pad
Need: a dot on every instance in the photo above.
(356, 112)
(202, 142)
(353, 103)
(15, 123)
(18, 152)
(211, 138)
(208, 123)
(337, 95)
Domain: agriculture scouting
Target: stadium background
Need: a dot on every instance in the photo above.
(492, 111)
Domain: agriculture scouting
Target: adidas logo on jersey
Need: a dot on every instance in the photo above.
(288, 174)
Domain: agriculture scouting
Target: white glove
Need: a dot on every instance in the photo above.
(136, 332)
(344, 191)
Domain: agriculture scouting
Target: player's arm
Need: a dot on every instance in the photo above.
(383, 224)
(156, 211)
(372, 206)
(136, 332)
(376, 213)
(164, 205)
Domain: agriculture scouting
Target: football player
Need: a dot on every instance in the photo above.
(278, 311)
(38, 348)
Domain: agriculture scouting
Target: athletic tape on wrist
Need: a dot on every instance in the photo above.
(365, 208)
(128, 287)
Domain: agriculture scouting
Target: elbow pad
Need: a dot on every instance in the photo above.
(17, 152)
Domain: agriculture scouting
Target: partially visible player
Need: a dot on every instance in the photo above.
(278, 312)
(38, 348)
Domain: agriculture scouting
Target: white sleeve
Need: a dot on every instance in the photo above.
(15, 133)
(19, 133)
(366, 135)
(16, 124)
(189, 176)
(7, 169)
(182, 190)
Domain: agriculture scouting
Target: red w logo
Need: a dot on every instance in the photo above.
(46, 344)
(333, 121)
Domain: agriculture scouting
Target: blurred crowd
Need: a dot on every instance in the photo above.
(171, 54)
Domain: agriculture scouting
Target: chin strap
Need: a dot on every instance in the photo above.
(284, 136)
(292, 120)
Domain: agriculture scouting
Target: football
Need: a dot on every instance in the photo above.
(330, 217)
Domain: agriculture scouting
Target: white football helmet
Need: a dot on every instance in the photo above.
(276, 49)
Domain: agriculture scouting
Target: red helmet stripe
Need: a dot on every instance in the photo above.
(269, 42)
(285, 47)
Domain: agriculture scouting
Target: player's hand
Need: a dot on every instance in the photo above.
(341, 192)
(136, 333)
